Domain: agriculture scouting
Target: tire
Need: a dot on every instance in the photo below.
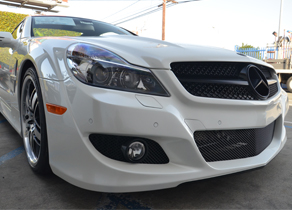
(34, 132)
(289, 84)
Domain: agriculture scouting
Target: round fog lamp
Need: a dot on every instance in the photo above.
(135, 151)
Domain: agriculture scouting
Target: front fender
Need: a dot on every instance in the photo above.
(48, 60)
(49, 57)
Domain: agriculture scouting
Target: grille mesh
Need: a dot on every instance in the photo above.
(212, 69)
(273, 89)
(218, 91)
(219, 145)
(188, 74)
(224, 90)
(110, 146)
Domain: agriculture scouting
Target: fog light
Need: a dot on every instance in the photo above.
(134, 151)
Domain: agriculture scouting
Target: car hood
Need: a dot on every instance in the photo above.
(157, 54)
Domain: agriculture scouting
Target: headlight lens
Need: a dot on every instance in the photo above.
(98, 67)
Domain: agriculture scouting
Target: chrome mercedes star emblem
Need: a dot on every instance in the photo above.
(258, 82)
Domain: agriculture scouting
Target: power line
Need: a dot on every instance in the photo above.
(147, 13)
(121, 10)
(152, 11)
(136, 13)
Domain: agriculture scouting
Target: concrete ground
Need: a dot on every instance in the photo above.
(265, 188)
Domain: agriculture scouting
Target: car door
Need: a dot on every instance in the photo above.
(18, 56)
(9, 64)
(5, 57)
(4, 69)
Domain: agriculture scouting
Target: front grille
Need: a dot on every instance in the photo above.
(218, 79)
(226, 91)
(206, 69)
(211, 70)
(110, 146)
(219, 145)
(273, 89)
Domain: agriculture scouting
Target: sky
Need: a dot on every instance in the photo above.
(219, 23)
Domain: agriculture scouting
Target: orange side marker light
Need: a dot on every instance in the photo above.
(55, 109)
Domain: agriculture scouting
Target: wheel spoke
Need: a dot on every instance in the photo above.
(27, 96)
(33, 100)
(36, 141)
(37, 124)
(31, 140)
(36, 115)
(37, 134)
(37, 148)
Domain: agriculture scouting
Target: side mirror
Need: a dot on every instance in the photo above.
(6, 39)
(5, 35)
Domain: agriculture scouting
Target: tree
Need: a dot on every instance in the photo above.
(9, 20)
(247, 46)
(250, 51)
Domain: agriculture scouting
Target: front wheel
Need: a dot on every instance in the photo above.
(33, 123)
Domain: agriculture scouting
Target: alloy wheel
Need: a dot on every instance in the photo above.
(31, 121)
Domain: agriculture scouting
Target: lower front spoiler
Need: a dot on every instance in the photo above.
(120, 177)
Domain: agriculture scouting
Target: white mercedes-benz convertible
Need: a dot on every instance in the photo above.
(109, 111)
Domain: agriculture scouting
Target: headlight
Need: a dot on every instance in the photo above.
(99, 67)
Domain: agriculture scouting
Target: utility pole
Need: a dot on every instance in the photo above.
(280, 19)
(279, 31)
(163, 19)
(163, 15)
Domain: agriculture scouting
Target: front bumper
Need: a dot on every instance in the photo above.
(104, 111)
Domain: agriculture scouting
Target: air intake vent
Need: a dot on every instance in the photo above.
(219, 145)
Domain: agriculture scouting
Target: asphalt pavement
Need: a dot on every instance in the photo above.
(269, 187)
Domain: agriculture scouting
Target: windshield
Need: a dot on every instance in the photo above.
(70, 26)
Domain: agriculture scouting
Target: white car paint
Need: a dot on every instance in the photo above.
(169, 121)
